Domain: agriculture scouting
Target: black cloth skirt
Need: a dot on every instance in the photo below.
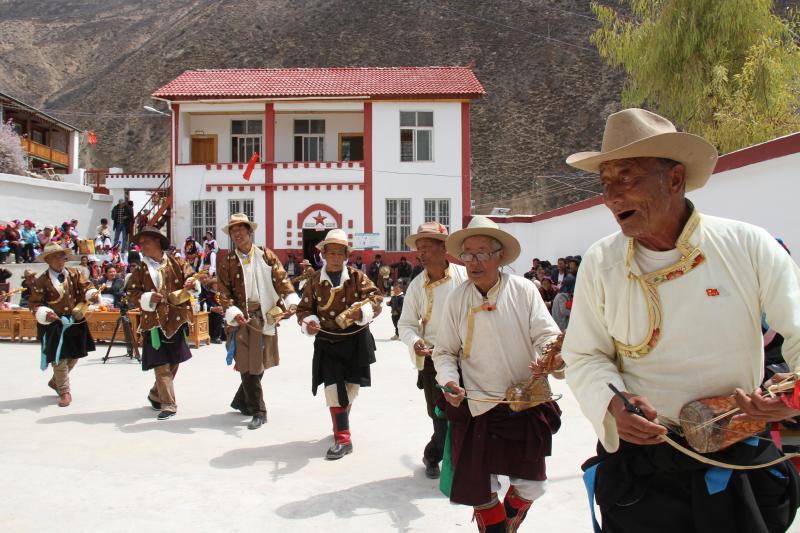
(659, 489)
(77, 342)
(500, 442)
(341, 360)
(171, 352)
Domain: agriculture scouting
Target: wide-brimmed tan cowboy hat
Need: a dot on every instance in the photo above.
(427, 230)
(238, 218)
(480, 225)
(639, 133)
(54, 248)
(335, 236)
(152, 232)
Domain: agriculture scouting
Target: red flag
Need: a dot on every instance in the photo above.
(91, 137)
(250, 166)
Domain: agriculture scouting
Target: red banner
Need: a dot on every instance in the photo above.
(250, 166)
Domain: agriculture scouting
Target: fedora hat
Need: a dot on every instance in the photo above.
(480, 225)
(54, 248)
(238, 218)
(427, 230)
(639, 133)
(152, 232)
(335, 236)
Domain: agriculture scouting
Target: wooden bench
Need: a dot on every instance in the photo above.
(198, 332)
(27, 325)
(101, 325)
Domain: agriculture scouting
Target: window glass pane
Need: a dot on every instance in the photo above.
(301, 126)
(248, 209)
(237, 126)
(430, 210)
(298, 148)
(425, 118)
(391, 238)
(405, 231)
(405, 211)
(406, 145)
(423, 145)
(391, 212)
(317, 126)
(254, 127)
(408, 118)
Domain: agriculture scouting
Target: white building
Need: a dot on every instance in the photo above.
(371, 150)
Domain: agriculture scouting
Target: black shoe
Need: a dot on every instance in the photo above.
(163, 415)
(216, 341)
(257, 422)
(432, 470)
(154, 404)
(337, 451)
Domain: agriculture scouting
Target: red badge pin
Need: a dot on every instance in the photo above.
(712, 292)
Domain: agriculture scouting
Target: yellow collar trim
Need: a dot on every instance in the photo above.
(489, 304)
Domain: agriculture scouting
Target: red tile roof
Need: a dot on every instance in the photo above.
(405, 82)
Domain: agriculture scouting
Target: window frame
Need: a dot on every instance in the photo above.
(414, 129)
(320, 137)
(437, 212)
(397, 229)
(207, 218)
(239, 137)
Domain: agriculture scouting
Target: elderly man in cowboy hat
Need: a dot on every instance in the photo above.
(493, 328)
(55, 300)
(420, 323)
(337, 305)
(668, 310)
(255, 294)
(164, 323)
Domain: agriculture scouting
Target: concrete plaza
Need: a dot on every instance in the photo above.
(105, 464)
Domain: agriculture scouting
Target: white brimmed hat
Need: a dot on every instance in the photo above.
(480, 225)
(51, 249)
(238, 218)
(639, 133)
(335, 236)
(427, 230)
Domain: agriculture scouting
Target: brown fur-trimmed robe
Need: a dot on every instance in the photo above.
(168, 317)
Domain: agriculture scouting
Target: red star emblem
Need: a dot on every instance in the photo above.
(320, 218)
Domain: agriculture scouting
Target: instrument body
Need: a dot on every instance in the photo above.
(181, 296)
(536, 390)
(706, 436)
(345, 319)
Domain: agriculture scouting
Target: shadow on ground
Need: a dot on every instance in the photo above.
(286, 458)
(34, 403)
(394, 496)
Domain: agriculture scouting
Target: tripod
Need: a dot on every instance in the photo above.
(130, 343)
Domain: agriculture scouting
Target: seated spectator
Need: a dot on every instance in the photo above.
(84, 267)
(191, 254)
(28, 279)
(28, 241)
(13, 237)
(559, 271)
(46, 236)
(5, 251)
(209, 298)
(103, 240)
(111, 287)
(562, 303)
(210, 259)
(547, 291)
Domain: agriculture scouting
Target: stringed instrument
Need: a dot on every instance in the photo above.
(181, 296)
(536, 390)
(713, 424)
(7, 295)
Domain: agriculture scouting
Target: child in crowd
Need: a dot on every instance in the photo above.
(396, 303)
(5, 249)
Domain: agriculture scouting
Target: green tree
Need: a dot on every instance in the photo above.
(728, 70)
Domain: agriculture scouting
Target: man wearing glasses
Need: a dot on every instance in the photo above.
(488, 439)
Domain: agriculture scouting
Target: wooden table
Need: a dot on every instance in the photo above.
(27, 325)
(101, 325)
(198, 332)
(9, 323)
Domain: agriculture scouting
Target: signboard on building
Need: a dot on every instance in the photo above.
(367, 241)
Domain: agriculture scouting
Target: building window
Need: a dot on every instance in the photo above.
(438, 210)
(416, 135)
(398, 224)
(309, 137)
(246, 136)
(204, 218)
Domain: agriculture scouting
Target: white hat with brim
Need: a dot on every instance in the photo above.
(427, 230)
(633, 133)
(51, 249)
(335, 236)
(238, 218)
(483, 226)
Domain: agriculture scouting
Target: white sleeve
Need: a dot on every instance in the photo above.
(306, 321)
(589, 353)
(291, 299)
(448, 342)
(195, 291)
(367, 314)
(145, 304)
(409, 323)
(231, 314)
(779, 294)
(41, 315)
(543, 328)
(91, 293)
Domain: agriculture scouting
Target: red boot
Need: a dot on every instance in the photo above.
(516, 508)
(341, 434)
(491, 518)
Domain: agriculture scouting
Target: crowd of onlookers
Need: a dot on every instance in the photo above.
(556, 284)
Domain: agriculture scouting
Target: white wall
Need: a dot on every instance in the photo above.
(764, 194)
(52, 202)
(440, 178)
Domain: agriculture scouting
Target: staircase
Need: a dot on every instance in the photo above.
(159, 207)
